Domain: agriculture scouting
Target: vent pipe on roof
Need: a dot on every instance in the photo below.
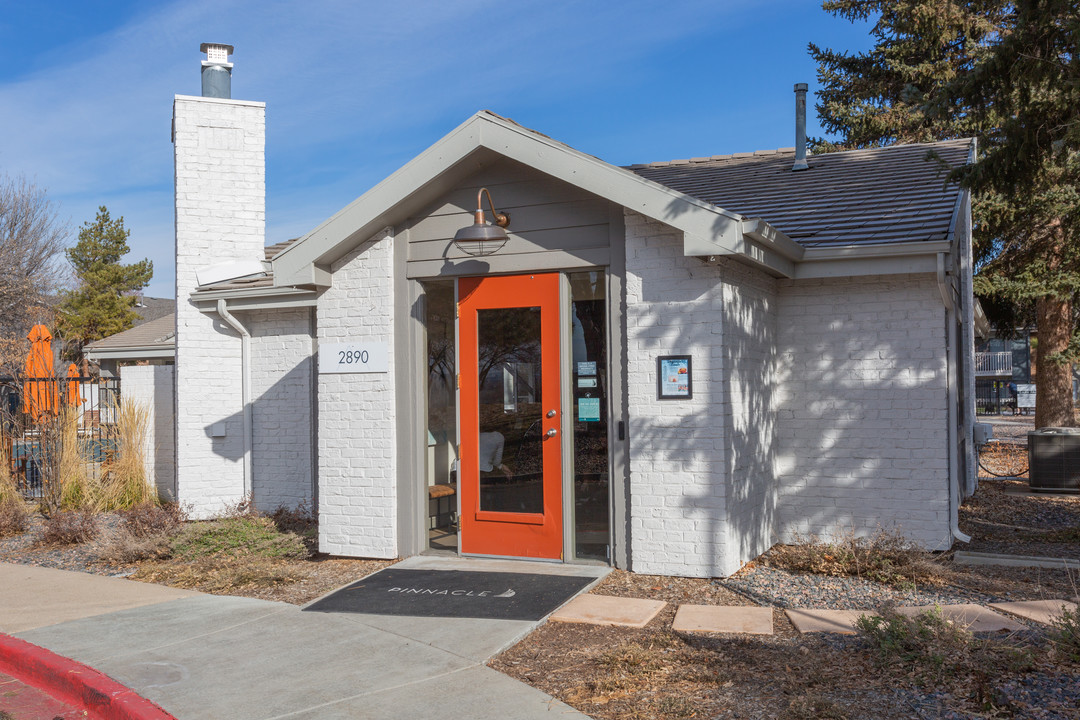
(800, 127)
(216, 70)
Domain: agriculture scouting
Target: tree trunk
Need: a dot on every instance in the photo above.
(1053, 399)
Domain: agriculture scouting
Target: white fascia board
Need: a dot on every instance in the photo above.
(882, 259)
(709, 230)
(132, 353)
(364, 216)
(265, 298)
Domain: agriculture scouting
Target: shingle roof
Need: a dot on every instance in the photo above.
(151, 308)
(272, 250)
(159, 333)
(877, 195)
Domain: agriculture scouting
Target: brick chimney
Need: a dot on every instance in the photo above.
(220, 196)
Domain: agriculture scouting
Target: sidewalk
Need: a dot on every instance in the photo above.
(206, 656)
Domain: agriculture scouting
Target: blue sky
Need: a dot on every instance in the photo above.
(354, 89)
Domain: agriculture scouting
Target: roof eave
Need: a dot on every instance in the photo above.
(143, 352)
(707, 229)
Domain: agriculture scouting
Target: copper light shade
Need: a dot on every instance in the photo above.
(483, 238)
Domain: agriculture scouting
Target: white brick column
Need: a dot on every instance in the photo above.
(357, 466)
(220, 217)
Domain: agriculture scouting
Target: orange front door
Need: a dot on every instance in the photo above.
(511, 459)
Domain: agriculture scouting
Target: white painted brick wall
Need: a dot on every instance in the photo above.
(863, 412)
(749, 312)
(357, 473)
(152, 386)
(220, 217)
(281, 389)
(678, 505)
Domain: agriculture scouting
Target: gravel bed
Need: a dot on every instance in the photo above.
(780, 588)
(24, 549)
(1045, 697)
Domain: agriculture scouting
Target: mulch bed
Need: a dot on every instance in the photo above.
(653, 672)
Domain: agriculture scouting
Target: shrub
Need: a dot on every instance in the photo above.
(887, 557)
(938, 649)
(69, 528)
(301, 519)
(14, 519)
(1065, 634)
(125, 548)
(148, 519)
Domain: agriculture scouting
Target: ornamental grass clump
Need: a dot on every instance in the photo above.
(77, 491)
(14, 519)
(124, 482)
(886, 557)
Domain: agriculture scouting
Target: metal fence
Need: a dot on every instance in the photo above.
(39, 416)
(994, 397)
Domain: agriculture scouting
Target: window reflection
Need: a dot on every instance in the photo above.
(511, 435)
(590, 393)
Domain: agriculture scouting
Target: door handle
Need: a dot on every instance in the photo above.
(551, 433)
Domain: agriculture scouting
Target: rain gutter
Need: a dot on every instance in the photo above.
(245, 387)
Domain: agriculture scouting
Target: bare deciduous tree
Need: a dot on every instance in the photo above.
(31, 242)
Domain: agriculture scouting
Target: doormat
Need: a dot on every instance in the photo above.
(454, 594)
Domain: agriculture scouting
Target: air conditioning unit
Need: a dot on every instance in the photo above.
(1054, 460)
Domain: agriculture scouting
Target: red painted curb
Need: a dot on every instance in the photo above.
(74, 683)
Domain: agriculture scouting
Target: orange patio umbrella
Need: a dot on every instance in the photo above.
(74, 397)
(40, 391)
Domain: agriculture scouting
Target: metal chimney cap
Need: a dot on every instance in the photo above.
(216, 53)
(799, 87)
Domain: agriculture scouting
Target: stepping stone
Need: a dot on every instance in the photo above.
(607, 610)
(831, 621)
(1042, 611)
(974, 618)
(723, 619)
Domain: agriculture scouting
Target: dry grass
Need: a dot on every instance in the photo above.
(77, 491)
(8, 490)
(14, 518)
(124, 479)
(887, 557)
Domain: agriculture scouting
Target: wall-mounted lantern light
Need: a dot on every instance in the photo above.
(483, 238)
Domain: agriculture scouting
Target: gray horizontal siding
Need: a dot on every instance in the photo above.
(552, 225)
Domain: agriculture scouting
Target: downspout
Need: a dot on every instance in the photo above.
(245, 387)
(953, 399)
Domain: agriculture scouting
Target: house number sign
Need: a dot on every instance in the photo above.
(353, 358)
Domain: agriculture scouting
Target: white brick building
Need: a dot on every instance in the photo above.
(667, 367)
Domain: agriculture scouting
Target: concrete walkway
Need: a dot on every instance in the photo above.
(205, 656)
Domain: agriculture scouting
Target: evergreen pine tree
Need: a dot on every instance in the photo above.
(943, 69)
(104, 301)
